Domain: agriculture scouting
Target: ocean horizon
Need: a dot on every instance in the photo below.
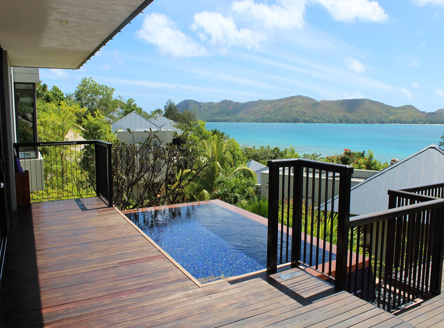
(387, 141)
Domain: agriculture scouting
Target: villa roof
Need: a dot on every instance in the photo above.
(424, 167)
(257, 168)
(61, 34)
(136, 122)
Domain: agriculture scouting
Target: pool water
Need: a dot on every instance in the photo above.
(209, 241)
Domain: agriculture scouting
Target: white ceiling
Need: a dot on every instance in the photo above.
(61, 33)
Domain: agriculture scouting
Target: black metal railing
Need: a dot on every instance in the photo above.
(416, 194)
(304, 228)
(68, 169)
(398, 254)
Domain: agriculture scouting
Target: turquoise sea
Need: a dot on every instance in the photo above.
(385, 140)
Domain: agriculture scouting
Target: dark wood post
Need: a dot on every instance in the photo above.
(343, 228)
(437, 250)
(273, 208)
(110, 175)
(96, 158)
(297, 214)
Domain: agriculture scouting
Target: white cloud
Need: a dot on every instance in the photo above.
(440, 93)
(350, 10)
(59, 73)
(407, 59)
(288, 14)
(224, 32)
(354, 95)
(355, 65)
(178, 87)
(407, 93)
(432, 2)
(237, 79)
(159, 30)
(415, 85)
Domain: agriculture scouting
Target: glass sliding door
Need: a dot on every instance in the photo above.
(5, 210)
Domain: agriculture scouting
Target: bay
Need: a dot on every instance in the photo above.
(385, 140)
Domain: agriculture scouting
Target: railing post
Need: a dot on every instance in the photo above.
(297, 214)
(96, 159)
(110, 175)
(343, 228)
(273, 208)
(392, 199)
(437, 250)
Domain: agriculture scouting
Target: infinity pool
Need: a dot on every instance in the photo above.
(208, 240)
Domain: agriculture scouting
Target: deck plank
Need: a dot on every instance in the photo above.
(68, 267)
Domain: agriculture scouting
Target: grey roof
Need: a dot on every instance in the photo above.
(257, 168)
(136, 122)
(424, 167)
(161, 120)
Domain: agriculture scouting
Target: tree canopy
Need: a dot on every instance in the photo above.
(172, 112)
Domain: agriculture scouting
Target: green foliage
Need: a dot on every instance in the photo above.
(264, 154)
(95, 127)
(54, 95)
(64, 176)
(95, 97)
(172, 112)
(358, 160)
(150, 174)
(128, 106)
(257, 205)
(320, 225)
(55, 120)
(225, 166)
(312, 157)
(235, 188)
(301, 109)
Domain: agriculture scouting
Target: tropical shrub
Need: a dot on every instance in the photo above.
(359, 160)
(150, 174)
(257, 205)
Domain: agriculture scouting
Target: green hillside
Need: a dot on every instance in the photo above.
(299, 109)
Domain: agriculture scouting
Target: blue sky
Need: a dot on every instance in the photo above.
(390, 51)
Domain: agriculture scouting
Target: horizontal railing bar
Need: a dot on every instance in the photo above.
(61, 143)
(423, 187)
(395, 212)
(338, 168)
(411, 196)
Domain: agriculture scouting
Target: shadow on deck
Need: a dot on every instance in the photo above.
(81, 264)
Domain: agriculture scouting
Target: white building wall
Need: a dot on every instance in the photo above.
(357, 177)
(26, 74)
(140, 136)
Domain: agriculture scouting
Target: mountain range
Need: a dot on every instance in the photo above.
(300, 109)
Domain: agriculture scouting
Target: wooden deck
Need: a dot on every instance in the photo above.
(80, 264)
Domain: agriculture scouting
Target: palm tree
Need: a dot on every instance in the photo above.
(217, 154)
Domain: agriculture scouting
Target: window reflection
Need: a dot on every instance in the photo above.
(26, 118)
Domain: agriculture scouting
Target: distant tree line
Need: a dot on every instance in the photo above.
(301, 109)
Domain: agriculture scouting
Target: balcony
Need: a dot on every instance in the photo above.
(79, 262)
